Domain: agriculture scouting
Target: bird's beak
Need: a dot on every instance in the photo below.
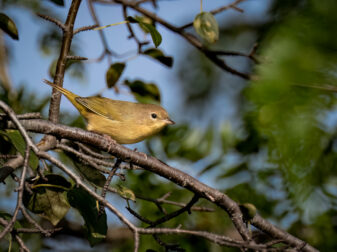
(169, 121)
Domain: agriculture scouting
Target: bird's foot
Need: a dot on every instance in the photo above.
(110, 140)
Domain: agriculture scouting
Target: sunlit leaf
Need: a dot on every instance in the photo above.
(126, 193)
(144, 92)
(206, 26)
(159, 55)
(49, 198)
(145, 20)
(114, 73)
(95, 222)
(8, 26)
(156, 37)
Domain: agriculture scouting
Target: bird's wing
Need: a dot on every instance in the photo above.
(101, 106)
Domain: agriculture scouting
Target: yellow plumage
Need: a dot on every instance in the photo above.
(126, 122)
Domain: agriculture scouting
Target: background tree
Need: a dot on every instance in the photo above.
(256, 120)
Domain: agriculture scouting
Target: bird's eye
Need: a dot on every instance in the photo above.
(154, 115)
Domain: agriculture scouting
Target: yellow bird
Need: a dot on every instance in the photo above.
(126, 122)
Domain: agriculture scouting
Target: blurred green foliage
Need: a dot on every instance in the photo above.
(277, 152)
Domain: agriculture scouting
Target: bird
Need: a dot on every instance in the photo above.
(123, 121)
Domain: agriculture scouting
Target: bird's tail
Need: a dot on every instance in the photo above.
(71, 96)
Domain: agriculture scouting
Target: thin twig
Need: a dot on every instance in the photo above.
(35, 224)
(93, 153)
(52, 20)
(23, 116)
(73, 57)
(218, 239)
(136, 241)
(37, 230)
(22, 245)
(132, 34)
(7, 156)
(84, 157)
(174, 214)
(107, 51)
(85, 28)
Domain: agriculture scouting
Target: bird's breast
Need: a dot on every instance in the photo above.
(123, 132)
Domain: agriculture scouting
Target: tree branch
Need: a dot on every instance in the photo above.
(189, 37)
(54, 109)
(156, 166)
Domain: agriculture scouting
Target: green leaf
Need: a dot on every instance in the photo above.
(20, 145)
(8, 26)
(159, 55)
(91, 174)
(145, 20)
(87, 205)
(143, 92)
(49, 198)
(58, 2)
(114, 73)
(155, 35)
(126, 193)
(206, 26)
